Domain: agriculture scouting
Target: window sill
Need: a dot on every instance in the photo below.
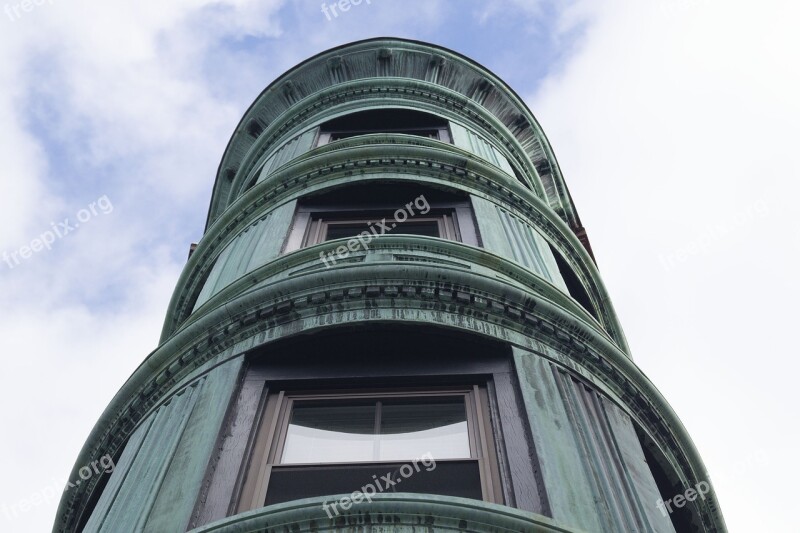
(389, 512)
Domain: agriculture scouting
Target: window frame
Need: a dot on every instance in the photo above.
(310, 223)
(276, 454)
(318, 226)
(442, 133)
(304, 362)
(270, 433)
(385, 120)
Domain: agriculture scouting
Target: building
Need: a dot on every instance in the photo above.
(393, 322)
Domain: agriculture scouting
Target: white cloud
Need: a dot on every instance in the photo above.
(675, 124)
(135, 101)
(98, 99)
(667, 120)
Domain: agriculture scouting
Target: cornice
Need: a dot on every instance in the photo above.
(432, 63)
(396, 510)
(384, 292)
(382, 92)
(413, 159)
(412, 249)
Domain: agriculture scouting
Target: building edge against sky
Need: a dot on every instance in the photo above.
(391, 258)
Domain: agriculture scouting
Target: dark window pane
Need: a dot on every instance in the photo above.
(330, 432)
(452, 478)
(344, 231)
(413, 427)
(433, 134)
(427, 228)
(410, 428)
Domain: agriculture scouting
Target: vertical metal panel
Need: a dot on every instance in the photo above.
(616, 458)
(493, 235)
(173, 506)
(121, 470)
(610, 502)
(592, 460)
(293, 148)
(212, 280)
(514, 446)
(530, 249)
(135, 497)
(510, 237)
(220, 487)
(472, 142)
(242, 249)
(162, 467)
(254, 247)
(640, 476)
(569, 489)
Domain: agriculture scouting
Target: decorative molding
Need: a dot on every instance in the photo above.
(419, 159)
(401, 279)
(337, 70)
(463, 68)
(482, 305)
(390, 512)
(436, 99)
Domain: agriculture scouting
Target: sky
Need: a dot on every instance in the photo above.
(675, 123)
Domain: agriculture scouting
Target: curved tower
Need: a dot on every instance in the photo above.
(393, 322)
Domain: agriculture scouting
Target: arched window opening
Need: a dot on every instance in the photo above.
(405, 121)
(378, 209)
(574, 284)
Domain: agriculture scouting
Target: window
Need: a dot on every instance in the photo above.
(404, 121)
(335, 430)
(573, 283)
(430, 227)
(379, 210)
(323, 227)
(334, 442)
(667, 482)
(321, 414)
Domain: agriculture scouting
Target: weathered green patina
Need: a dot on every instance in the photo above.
(404, 513)
(588, 408)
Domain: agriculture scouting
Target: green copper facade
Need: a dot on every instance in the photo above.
(601, 445)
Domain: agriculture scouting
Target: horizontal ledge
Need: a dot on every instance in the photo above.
(389, 92)
(440, 254)
(438, 513)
